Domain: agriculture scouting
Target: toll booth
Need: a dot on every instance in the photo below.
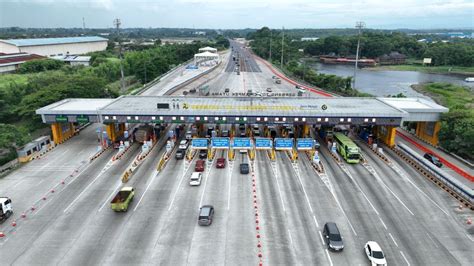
(34, 148)
(62, 131)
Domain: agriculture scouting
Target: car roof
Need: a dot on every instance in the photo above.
(196, 174)
(374, 246)
(332, 227)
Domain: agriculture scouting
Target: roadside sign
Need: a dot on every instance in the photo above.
(316, 157)
(242, 143)
(283, 144)
(220, 143)
(125, 134)
(82, 119)
(333, 148)
(168, 146)
(263, 143)
(304, 144)
(61, 118)
(199, 143)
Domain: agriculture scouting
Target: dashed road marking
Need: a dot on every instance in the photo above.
(393, 239)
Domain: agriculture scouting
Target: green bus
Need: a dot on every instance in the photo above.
(347, 148)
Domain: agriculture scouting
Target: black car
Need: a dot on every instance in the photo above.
(244, 168)
(433, 159)
(180, 154)
(333, 237)
(206, 213)
(202, 154)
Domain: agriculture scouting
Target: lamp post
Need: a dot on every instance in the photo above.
(359, 25)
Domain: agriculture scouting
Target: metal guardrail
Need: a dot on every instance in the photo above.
(187, 82)
(464, 191)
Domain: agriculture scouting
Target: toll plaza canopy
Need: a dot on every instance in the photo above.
(264, 110)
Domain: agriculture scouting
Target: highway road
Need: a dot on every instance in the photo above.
(414, 221)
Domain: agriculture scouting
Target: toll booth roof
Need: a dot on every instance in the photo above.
(260, 106)
(77, 105)
(418, 109)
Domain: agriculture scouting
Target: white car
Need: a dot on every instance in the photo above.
(375, 254)
(183, 145)
(195, 179)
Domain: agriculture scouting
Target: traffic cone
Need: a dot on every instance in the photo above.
(2, 234)
(469, 221)
(14, 223)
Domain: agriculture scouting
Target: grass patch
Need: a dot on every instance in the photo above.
(429, 69)
(448, 94)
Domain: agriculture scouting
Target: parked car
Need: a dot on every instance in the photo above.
(202, 154)
(375, 253)
(269, 89)
(333, 237)
(226, 90)
(183, 145)
(220, 163)
(195, 179)
(180, 154)
(199, 166)
(244, 168)
(206, 213)
(242, 134)
(433, 159)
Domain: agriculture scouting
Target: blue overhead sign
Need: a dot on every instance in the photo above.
(304, 144)
(220, 143)
(263, 143)
(199, 143)
(242, 143)
(283, 144)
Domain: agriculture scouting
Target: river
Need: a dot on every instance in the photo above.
(388, 82)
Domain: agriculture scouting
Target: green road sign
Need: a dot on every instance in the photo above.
(60, 118)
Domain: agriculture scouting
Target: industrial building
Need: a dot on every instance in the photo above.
(54, 46)
(11, 62)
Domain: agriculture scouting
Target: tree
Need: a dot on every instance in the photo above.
(40, 65)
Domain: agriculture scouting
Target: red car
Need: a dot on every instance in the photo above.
(199, 166)
(220, 163)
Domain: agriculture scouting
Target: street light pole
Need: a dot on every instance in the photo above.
(359, 25)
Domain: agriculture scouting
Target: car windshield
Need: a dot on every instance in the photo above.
(335, 237)
(377, 254)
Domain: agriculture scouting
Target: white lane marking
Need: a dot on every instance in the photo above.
(179, 185)
(432, 240)
(393, 239)
(321, 236)
(274, 168)
(315, 221)
(470, 238)
(304, 191)
(205, 182)
(291, 238)
(5, 241)
(358, 187)
(155, 174)
(229, 172)
(400, 172)
(405, 258)
(88, 186)
(21, 181)
(344, 213)
(393, 193)
(329, 257)
(40, 182)
(107, 200)
(383, 223)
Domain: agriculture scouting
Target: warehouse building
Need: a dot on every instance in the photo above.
(54, 46)
(11, 62)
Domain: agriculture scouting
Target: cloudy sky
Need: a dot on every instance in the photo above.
(225, 14)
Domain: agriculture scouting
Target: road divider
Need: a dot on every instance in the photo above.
(99, 153)
(282, 76)
(444, 161)
(448, 183)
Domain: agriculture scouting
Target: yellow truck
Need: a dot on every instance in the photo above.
(122, 200)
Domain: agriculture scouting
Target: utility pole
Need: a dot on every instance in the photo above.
(270, 46)
(122, 80)
(282, 41)
(359, 25)
(83, 26)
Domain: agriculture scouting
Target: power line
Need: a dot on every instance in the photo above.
(117, 24)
